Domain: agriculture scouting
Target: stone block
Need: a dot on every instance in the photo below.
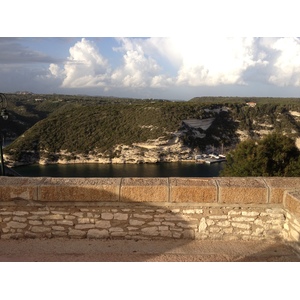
(234, 213)
(118, 233)
(241, 225)
(84, 226)
(59, 228)
(59, 233)
(120, 216)
(78, 214)
(278, 185)
(154, 223)
(20, 213)
(13, 224)
(6, 213)
(107, 216)
(162, 228)
(176, 235)
(202, 225)
(41, 213)
(150, 230)
(30, 235)
(80, 189)
(214, 229)
(165, 233)
(76, 233)
(142, 216)
(115, 229)
(52, 217)
(65, 222)
(39, 229)
(199, 190)
(243, 219)
(19, 219)
(223, 223)
(218, 217)
(136, 222)
(95, 233)
(210, 222)
(47, 223)
(242, 190)
(19, 188)
(250, 213)
(292, 202)
(144, 190)
(6, 236)
(103, 224)
(192, 211)
(83, 221)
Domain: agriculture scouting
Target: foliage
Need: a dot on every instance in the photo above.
(85, 124)
(274, 155)
(83, 128)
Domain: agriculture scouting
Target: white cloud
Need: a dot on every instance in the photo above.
(161, 81)
(55, 70)
(139, 68)
(85, 67)
(214, 61)
(210, 61)
(160, 63)
(168, 48)
(286, 67)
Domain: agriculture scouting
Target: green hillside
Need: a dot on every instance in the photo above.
(82, 125)
(82, 128)
(27, 109)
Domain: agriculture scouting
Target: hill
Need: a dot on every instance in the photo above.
(25, 108)
(115, 130)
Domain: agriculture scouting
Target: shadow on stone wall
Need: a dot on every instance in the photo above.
(34, 209)
(130, 209)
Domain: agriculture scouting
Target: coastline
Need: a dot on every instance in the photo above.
(88, 162)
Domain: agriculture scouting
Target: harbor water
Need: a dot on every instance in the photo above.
(180, 169)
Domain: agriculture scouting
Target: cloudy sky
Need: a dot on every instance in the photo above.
(179, 65)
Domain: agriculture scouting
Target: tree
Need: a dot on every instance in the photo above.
(293, 169)
(274, 155)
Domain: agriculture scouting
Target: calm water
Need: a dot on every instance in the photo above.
(122, 170)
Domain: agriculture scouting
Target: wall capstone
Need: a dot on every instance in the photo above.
(182, 208)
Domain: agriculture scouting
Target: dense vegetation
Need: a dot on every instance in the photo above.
(83, 124)
(27, 109)
(83, 128)
(274, 155)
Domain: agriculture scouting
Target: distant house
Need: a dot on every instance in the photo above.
(251, 104)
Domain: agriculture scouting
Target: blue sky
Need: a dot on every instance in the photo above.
(201, 55)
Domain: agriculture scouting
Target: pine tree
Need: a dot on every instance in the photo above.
(274, 155)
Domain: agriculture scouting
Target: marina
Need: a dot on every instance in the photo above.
(209, 158)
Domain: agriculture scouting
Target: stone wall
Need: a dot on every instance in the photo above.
(141, 208)
(291, 202)
(142, 221)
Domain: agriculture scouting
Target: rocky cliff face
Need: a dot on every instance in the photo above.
(152, 151)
